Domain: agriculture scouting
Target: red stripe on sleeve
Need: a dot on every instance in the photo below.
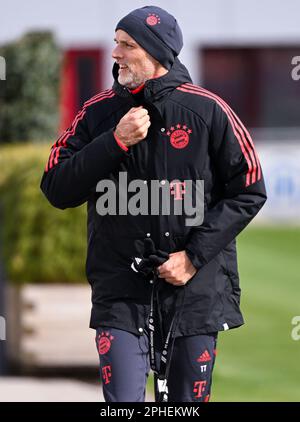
(239, 130)
(62, 141)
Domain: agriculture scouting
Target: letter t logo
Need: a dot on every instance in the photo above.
(199, 387)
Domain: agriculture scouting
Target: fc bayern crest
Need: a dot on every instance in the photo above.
(153, 19)
(179, 136)
(104, 342)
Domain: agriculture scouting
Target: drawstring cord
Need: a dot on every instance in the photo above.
(161, 374)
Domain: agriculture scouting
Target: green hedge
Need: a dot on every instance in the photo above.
(40, 243)
(29, 96)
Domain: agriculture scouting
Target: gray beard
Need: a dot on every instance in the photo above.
(129, 82)
(132, 81)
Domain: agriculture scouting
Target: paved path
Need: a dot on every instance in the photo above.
(27, 389)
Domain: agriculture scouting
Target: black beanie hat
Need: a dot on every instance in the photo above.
(156, 31)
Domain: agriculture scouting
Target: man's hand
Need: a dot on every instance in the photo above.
(178, 269)
(133, 127)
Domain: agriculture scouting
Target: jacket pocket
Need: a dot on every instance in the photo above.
(178, 243)
(90, 248)
(232, 288)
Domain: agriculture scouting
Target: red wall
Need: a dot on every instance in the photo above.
(81, 78)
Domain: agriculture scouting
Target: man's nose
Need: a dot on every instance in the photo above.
(116, 53)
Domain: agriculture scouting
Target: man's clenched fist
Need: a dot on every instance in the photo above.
(133, 127)
(178, 269)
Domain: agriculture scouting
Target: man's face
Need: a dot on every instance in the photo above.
(136, 66)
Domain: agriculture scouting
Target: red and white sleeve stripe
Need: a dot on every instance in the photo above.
(63, 139)
(239, 130)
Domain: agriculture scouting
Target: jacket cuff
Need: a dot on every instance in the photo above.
(193, 258)
(124, 147)
(113, 148)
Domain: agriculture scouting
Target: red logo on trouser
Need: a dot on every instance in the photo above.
(199, 387)
(106, 374)
(104, 342)
(204, 357)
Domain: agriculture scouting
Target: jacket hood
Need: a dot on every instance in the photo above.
(157, 88)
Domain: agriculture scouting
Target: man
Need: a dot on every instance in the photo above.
(161, 288)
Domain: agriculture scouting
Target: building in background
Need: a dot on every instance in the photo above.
(81, 78)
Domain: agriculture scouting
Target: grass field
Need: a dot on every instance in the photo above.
(260, 361)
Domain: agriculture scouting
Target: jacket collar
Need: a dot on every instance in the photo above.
(157, 88)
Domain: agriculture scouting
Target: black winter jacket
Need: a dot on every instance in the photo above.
(194, 135)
